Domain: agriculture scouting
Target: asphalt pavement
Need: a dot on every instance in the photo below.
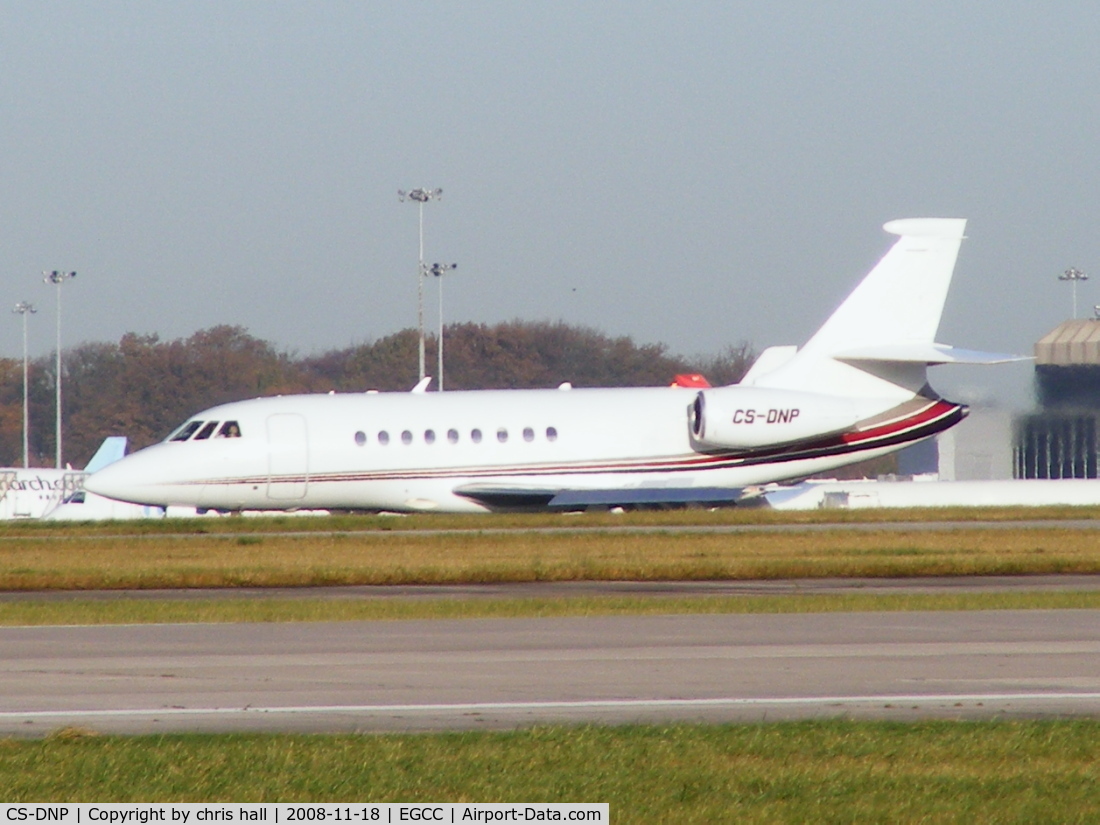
(502, 673)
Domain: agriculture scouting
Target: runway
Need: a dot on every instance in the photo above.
(501, 673)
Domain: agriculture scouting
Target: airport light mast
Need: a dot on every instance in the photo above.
(437, 271)
(24, 308)
(421, 197)
(1073, 275)
(58, 278)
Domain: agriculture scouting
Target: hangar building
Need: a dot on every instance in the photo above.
(1061, 439)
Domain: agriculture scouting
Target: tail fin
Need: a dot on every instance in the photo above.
(111, 450)
(879, 342)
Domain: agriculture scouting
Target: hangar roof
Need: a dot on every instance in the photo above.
(1071, 343)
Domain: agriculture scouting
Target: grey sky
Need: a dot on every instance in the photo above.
(697, 174)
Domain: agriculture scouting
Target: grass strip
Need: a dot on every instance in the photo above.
(355, 523)
(156, 611)
(828, 771)
(411, 558)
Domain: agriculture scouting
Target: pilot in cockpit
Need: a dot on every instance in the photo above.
(229, 429)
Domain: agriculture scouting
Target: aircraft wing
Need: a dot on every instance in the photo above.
(647, 495)
(492, 496)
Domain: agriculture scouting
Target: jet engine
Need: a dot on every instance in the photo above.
(753, 417)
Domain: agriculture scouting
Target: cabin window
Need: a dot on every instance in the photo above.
(407, 437)
(206, 431)
(452, 436)
(475, 435)
(528, 434)
(551, 433)
(429, 436)
(502, 435)
(230, 429)
(187, 431)
(360, 438)
(383, 437)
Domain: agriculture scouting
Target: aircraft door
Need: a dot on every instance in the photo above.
(287, 457)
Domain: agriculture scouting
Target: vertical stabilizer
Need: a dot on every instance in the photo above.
(897, 307)
(111, 450)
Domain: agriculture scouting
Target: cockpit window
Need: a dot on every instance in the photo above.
(206, 431)
(186, 431)
(230, 429)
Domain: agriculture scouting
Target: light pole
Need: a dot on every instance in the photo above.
(57, 278)
(421, 197)
(437, 270)
(23, 308)
(1073, 275)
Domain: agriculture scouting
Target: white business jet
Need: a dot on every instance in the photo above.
(856, 390)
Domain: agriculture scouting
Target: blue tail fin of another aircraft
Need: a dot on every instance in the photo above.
(111, 450)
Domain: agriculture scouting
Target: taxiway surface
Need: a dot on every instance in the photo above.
(901, 585)
(474, 673)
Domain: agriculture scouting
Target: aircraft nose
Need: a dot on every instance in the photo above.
(121, 481)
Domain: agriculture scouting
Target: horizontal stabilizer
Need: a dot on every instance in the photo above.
(922, 353)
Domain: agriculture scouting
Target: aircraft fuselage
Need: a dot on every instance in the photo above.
(448, 451)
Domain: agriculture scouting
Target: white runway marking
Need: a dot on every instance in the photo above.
(601, 704)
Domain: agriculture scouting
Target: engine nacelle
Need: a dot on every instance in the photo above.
(751, 417)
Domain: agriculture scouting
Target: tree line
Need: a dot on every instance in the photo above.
(143, 387)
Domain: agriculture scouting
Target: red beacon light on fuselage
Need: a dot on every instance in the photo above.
(691, 381)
